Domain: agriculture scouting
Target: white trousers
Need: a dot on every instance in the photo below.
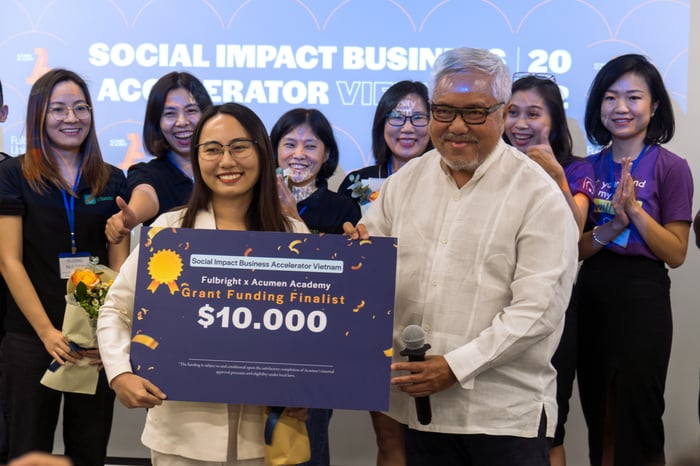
(165, 459)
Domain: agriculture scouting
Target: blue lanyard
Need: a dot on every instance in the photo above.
(634, 165)
(172, 160)
(70, 208)
(302, 210)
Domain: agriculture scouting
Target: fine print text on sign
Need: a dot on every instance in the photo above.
(265, 318)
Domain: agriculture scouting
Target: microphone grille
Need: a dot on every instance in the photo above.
(413, 337)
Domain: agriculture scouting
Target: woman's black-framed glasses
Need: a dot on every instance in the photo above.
(239, 148)
(470, 115)
(418, 120)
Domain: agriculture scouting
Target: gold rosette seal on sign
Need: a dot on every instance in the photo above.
(164, 267)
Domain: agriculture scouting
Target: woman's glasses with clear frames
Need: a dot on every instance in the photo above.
(239, 148)
(60, 112)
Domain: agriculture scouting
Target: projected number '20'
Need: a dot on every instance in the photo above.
(556, 61)
(273, 319)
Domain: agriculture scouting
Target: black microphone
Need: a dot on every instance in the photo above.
(413, 338)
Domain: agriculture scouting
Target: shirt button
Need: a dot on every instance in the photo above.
(434, 283)
(426, 328)
(443, 241)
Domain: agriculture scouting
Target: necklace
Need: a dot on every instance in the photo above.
(302, 192)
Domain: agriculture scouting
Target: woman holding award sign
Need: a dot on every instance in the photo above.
(54, 203)
(234, 189)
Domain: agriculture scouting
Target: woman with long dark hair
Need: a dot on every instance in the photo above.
(234, 189)
(54, 203)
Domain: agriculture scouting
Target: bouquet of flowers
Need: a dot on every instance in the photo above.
(365, 191)
(85, 293)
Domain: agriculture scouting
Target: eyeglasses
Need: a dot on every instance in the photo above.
(526, 74)
(239, 148)
(60, 112)
(418, 120)
(470, 115)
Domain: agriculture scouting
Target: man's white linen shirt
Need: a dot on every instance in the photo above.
(487, 271)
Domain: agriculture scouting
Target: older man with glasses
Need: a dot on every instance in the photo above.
(486, 260)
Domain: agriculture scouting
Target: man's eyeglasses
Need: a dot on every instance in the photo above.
(526, 74)
(470, 115)
(60, 112)
(240, 149)
(418, 120)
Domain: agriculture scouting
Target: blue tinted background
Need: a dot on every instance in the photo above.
(570, 38)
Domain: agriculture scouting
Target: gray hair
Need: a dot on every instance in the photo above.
(467, 59)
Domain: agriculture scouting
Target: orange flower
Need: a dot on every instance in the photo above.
(373, 196)
(86, 276)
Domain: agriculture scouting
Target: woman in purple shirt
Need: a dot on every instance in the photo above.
(637, 226)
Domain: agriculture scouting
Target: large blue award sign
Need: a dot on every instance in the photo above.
(265, 318)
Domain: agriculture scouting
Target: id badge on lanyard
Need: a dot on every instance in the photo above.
(67, 261)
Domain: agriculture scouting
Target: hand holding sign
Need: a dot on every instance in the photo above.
(264, 318)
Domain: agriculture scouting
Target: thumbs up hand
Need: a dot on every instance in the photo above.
(120, 224)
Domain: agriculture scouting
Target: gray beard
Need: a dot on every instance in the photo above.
(463, 165)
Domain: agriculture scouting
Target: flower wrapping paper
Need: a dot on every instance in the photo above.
(79, 329)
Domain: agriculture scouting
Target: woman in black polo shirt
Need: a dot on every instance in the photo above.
(54, 202)
(175, 105)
